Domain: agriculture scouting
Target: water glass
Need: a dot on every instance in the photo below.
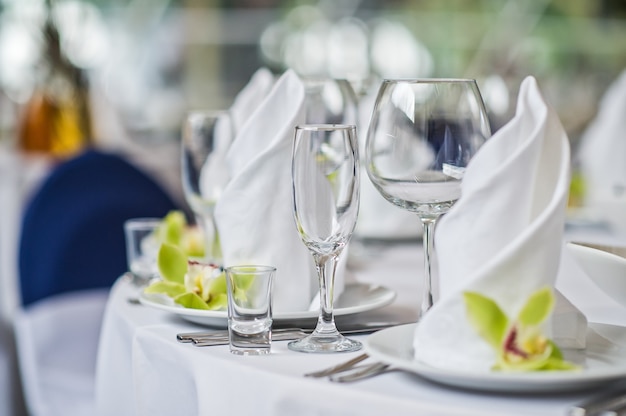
(142, 247)
(250, 309)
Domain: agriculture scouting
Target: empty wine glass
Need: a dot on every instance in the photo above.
(329, 101)
(422, 135)
(207, 135)
(325, 175)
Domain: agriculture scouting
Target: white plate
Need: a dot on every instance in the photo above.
(603, 361)
(357, 297)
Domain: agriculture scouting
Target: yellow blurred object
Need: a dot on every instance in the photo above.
(56, 119)
(52, 127)
(576, 191)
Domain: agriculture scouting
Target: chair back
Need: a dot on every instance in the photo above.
(72, 234)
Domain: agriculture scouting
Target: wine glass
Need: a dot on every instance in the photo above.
(206, 137)
(325, 177)
(422, 134)
(329, 101)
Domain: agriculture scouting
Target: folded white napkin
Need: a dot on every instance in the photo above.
(254, 216)
(503, 237)
(214, 174)
(251, 96)
(602, 157)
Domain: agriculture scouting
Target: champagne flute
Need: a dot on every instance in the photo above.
(422, 134)
(206, 137)
(325, 177)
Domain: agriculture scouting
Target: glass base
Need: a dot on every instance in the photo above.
(327, 343)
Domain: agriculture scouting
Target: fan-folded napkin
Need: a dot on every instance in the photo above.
(214, 173)
(602, 156)
(250, 97)
(503, 237)
(254, 216)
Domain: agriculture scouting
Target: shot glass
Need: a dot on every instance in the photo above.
(142, 247)
(250, 309)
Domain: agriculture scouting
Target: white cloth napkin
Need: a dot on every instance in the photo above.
(602, 157)
(214, 173)
(251, 96)
(503, 237)
(254, 216)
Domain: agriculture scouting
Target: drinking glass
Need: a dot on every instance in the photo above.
(325, 177)
(206, 137)
(422, 134)
(142, 246)
(329, 101)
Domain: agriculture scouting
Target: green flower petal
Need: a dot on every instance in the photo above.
(171, 289)
(537, 308)
(218, 302)
(172, 263)
(191, 300)
(486, 317)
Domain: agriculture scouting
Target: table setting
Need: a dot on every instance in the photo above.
(499, 310)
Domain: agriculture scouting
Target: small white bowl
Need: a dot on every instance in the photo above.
(605, 265)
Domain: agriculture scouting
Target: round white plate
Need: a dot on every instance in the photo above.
(603, 361)
(357, 297)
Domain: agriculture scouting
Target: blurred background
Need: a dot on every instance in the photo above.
(123, 72)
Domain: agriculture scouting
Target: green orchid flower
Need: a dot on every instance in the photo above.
(189, 283)
(520, 345)
(175, 230)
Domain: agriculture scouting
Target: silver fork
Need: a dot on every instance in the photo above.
(338, 368)
(361, 372)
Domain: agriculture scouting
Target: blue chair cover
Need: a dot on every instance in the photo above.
(72, 232)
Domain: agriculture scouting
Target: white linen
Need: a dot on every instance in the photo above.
(251, 96)
(503, 237)
(602, 157)
(143, 370)
(254, 216)
(57, 341)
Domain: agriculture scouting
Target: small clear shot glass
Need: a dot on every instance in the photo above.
(250, 308)
(142, 247)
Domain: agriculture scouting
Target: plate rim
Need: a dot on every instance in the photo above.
(513, 382)
(387, 298)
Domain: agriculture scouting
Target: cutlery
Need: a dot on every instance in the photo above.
(360, 373)
(338, 368)
(354, 329)
(610, 404)
(221, 334)
(284, 334)
(223, 340)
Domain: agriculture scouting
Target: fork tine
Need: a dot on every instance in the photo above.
(338, 368)
(360, 374)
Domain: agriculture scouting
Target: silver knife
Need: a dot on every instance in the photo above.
(203, 339)
(609, 404)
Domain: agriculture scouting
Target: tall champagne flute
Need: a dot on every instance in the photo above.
(206, 137)
(422, 134)
(325, 177)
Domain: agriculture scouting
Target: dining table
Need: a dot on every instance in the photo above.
(142, 369)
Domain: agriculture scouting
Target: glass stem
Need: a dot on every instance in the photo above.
(428, 237)
(213, 252)
(326, 266)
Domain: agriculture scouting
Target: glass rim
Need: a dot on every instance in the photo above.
(325, 127)
(142, 221)
(256, 267)
(206, 113)
(428, 80)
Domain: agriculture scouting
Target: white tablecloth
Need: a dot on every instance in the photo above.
(143, 370)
